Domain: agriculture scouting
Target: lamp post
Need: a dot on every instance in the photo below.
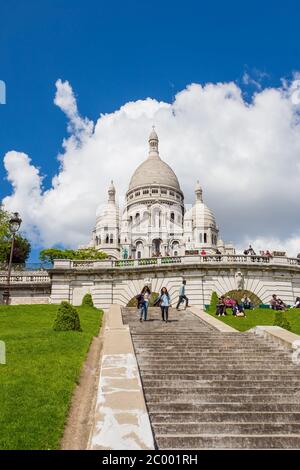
(14, 225)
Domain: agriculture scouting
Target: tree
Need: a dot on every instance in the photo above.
(22, 246)
(213, 302)
(50, 254)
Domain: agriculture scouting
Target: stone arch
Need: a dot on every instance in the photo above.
(127, 291)
(133, 302)
(175, 247)
(139, 249)
(156, 246)
(238, 294)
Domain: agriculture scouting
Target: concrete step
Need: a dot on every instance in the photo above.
(216, 385)
(211, 397)
(215, 368)
(222, 407)
(173, 350)
(208, 363)
(227, 368)
(224, 417)
(194, 353)
(219, 428)
(227, 441)
(229, 376)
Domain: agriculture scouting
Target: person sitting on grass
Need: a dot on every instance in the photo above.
(277, 304)
(297, 303)
(281, 304)
(246, 302)
(238, 310)
(221, 307)
(229, 302)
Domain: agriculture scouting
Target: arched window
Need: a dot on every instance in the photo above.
(139, 249)
(111, 239)
(172, 217)
(200, 237)
(137, 219)
(156, 217)
(107, 239)
(205, 238)
(175, 248)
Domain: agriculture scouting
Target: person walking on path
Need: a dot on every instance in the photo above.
(143, 302)
(182, 296)
(164, 301)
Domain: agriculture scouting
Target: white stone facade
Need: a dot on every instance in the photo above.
(154, 221)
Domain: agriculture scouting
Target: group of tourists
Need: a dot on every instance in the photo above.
(163, 301)
(265, 253)
(277, 304)
(250, 251)
(238, 308)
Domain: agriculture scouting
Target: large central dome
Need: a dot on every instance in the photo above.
(154, 170)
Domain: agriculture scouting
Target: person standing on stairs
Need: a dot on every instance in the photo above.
(146, 293)
(182, 296)
(164, 301)
(143, 302)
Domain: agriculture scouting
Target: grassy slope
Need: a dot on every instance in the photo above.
(41, 371)
(260, 316)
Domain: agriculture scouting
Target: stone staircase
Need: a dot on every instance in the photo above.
(210, 390)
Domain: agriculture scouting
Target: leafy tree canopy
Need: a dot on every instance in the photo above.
(50, 254)
(21, 246)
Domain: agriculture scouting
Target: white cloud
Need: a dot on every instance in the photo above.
(246, 156)
(248, 80)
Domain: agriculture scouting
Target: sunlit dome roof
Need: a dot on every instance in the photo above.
(154, 170)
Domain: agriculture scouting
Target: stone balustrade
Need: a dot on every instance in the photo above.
(25, 277)
(175, 260)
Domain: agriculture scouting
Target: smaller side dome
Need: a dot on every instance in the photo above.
(200, 214)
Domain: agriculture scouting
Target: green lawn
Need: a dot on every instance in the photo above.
(259, 316)
(40, 374)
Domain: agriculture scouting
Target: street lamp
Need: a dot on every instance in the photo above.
(14, 224)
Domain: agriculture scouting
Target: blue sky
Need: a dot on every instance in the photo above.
(113, 52)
